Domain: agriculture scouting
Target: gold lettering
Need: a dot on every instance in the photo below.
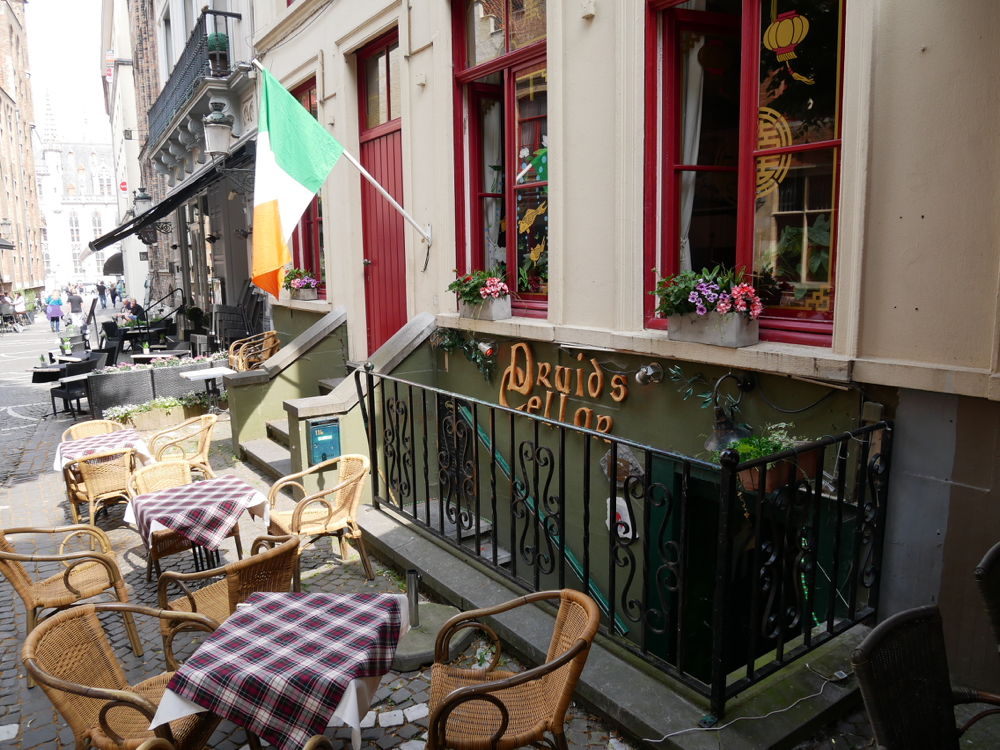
(544, 371)
(549, 395)
(595, 383)
(521, 379)
(604, 423)
(588, 417)
(563, 399)
(579, 382)
(534, 405)
(619, 391)
(504, 382)
(564, 376)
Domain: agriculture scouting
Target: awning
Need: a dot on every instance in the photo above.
(114, 266)
(6, 244)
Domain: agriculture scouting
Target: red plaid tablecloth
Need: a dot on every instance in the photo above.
(73, 449)
(280, 667)
(204, 512)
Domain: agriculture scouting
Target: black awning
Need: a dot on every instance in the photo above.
(114, 266)
(6, 244)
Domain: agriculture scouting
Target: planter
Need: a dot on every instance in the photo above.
(779, 473)
(733, 330)
(167, 381)
(304, 294)
(159, 419)
(109, 389)
(488, 309)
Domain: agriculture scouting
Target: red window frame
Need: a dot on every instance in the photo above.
(468, 197)
(660, 192)
(307, 239)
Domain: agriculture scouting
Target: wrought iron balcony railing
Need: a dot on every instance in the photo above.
(710, 579)
(207, 54)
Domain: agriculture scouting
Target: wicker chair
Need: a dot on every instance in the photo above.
(98, 480)
(318, 742)
(269, 570)
(90, 428)
(87, 574)
(480, 709)
(70, 657)
(902, 669)
(317, 516)
(163, 476)
(174, 443)
(250, 353)
(988, 581)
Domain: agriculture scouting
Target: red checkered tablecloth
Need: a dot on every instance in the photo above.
(204, 512)
(70, 450)
(280, 667)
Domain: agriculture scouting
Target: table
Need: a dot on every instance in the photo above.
(143, 359)
(202, 512)
(210, 376)
(70, 450)
(286, 665)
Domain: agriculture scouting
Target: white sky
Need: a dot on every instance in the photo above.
(64, 51)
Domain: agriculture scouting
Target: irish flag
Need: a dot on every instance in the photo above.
(294, 156)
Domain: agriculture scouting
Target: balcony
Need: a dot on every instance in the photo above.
(713, 574)
(212, 67)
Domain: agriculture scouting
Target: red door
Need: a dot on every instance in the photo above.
(382, 156)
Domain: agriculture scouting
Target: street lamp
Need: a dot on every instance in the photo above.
(218, 130)
(142, 201)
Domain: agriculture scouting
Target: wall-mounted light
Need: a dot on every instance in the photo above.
(211, 239)
(651, 373)
(726, 431)
(218, 130)
(243, 233)
(488, 348)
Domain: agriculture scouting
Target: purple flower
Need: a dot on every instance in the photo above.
(693, 297)
(701, 310)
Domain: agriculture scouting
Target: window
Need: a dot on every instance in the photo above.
(503, 96)
(744, 129)
(307, 239)
(74, 227)
(77, 265)
(96, 221)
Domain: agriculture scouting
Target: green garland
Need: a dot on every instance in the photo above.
(449, 339)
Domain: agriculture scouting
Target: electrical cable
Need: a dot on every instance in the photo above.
(816, 403)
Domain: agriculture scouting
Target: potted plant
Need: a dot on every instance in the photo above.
(482, 295)
(196, 317)
(218, 53)
(301, 284)
(710, 307)
(774, 440)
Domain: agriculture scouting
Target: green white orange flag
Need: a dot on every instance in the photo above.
(295, 154)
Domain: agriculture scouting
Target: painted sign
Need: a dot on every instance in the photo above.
(524, 375)
(124, 186)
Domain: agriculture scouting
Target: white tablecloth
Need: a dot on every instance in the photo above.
(353, 707)
(141, 449)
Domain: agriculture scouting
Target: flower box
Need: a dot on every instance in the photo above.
(489, 309)
(780, 472)
(161, 419)
(107, 389)
(732, 330)
(305, 293)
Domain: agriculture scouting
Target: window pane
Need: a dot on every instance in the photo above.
(527, 22)
(484, 30)
(494, 236)
(394, 94)
(376, 90)
(707, 223)
(800, 67)
(793, 234)
(532, 240)
(531, 92)
(491, 136)
(709, 98)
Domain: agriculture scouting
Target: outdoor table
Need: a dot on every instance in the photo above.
(48, 374)
(210, 376)
(202, 512)
(284, 665)
(142, 359)
(70, 450)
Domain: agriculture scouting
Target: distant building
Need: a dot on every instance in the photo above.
(20, 221)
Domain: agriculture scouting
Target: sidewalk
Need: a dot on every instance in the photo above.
(35, 496)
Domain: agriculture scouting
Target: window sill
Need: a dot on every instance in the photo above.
(313, 305)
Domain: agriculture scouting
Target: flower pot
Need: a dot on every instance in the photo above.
(779, 473)
(157, 419)
(488, 309)
(732, 330)
(305, 293)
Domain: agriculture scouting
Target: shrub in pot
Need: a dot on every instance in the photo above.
(774, 440)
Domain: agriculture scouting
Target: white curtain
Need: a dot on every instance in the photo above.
(492, 178)
(693, 82)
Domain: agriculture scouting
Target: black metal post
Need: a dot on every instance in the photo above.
(727, 491)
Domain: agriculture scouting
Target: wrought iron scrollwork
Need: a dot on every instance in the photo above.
(456, 469)
(540, 510)
(878, 484)
(396, 442)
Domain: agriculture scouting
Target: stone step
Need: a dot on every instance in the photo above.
(468, 536)
(277, 430)
(328, 384)
(267, 455)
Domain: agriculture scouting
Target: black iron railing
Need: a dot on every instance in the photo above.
(207, 54)
(715, 582)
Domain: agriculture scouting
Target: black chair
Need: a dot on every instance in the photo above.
(902, 669)
(8, 319)
(110, 333)
(73, 387)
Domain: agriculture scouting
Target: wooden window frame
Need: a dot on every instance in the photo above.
(658, 190)
(469, 176)
(307, 243)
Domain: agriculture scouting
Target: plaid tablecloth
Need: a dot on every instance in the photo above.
(71, 450)
(280, 667)
(204, 512)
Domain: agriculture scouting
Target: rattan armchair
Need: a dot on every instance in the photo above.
(270, 567)
(86, 574)
(90, 428)
(489, 709)
(70, 656)
(318, 742)
(163, 476)
(188, 441)
(318, 515)
(98, 480)
(902, 669)
(988, 581)
(250, 353)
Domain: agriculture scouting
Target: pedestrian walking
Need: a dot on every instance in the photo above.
(21, 308)
(53, 309)
(114, 295)
(76, 309)
(102, 293)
